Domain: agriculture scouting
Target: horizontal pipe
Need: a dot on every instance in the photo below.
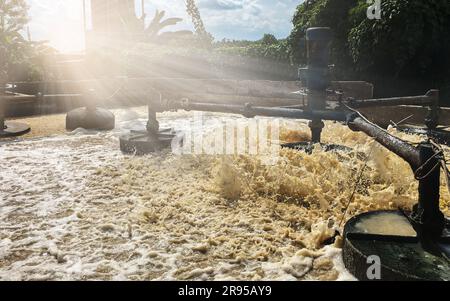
(431, 98)
(398, 146)
(250, 111)
(22, 97)
(250, 88)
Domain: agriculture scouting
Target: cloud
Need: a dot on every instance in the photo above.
(61, 21)
(221, 4)
(235, 19)
(249, 19)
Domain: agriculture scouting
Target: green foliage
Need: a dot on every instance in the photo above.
(20, 59)
(322, 13)
(269, 39)
(13, 18)
(233, 43)
(225, 59)
(410, 43)
(267, 58)
(267, 48)
(411, 39)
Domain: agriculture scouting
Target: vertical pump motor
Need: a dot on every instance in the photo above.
(316, 76)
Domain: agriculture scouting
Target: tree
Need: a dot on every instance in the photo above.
(20, 59)
(204, 37)
(412, 39)
(13, 18)
(153, 30)
(323, 13)
(269, 39)
(157, 24)
(404, 52)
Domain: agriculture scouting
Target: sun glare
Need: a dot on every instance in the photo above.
(58, 22)
(67, 38)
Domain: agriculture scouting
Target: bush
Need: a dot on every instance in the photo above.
(267, 58)
(411, 39)
(269, 39)
(323, 13)
(405, 52)
(250, 60)
(268, 48)
(20, 59)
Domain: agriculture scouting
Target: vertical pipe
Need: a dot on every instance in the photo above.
(84, 24)
(317, 77)
(432, 118)
(143, 16)
(427, 218)
(28, 34)
(2, 114)
(152, 123)
(84, 16)
(2, 105)
(427, 215)
(107, 13)
(91, 100)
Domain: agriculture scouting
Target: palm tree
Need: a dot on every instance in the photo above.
(152, 31)
(157, 24)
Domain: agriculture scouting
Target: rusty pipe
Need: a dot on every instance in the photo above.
(403, 149)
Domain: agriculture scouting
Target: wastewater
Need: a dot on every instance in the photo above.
(73, 207)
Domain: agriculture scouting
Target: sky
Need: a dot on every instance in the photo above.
(61, 21)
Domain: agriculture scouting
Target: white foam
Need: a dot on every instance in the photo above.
(54, 204)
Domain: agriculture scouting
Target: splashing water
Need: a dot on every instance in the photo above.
(72, 207)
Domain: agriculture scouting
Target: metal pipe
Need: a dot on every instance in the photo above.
(408, 152)
(317, 75)
(152, 122)
(2, 104)
(424, 100)
(90, 99)
(427, 217)
(84, 18)
(143, 11)
(218, 87)
(250, 111)
(396, 145)
(2, 113)
(400, 147)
